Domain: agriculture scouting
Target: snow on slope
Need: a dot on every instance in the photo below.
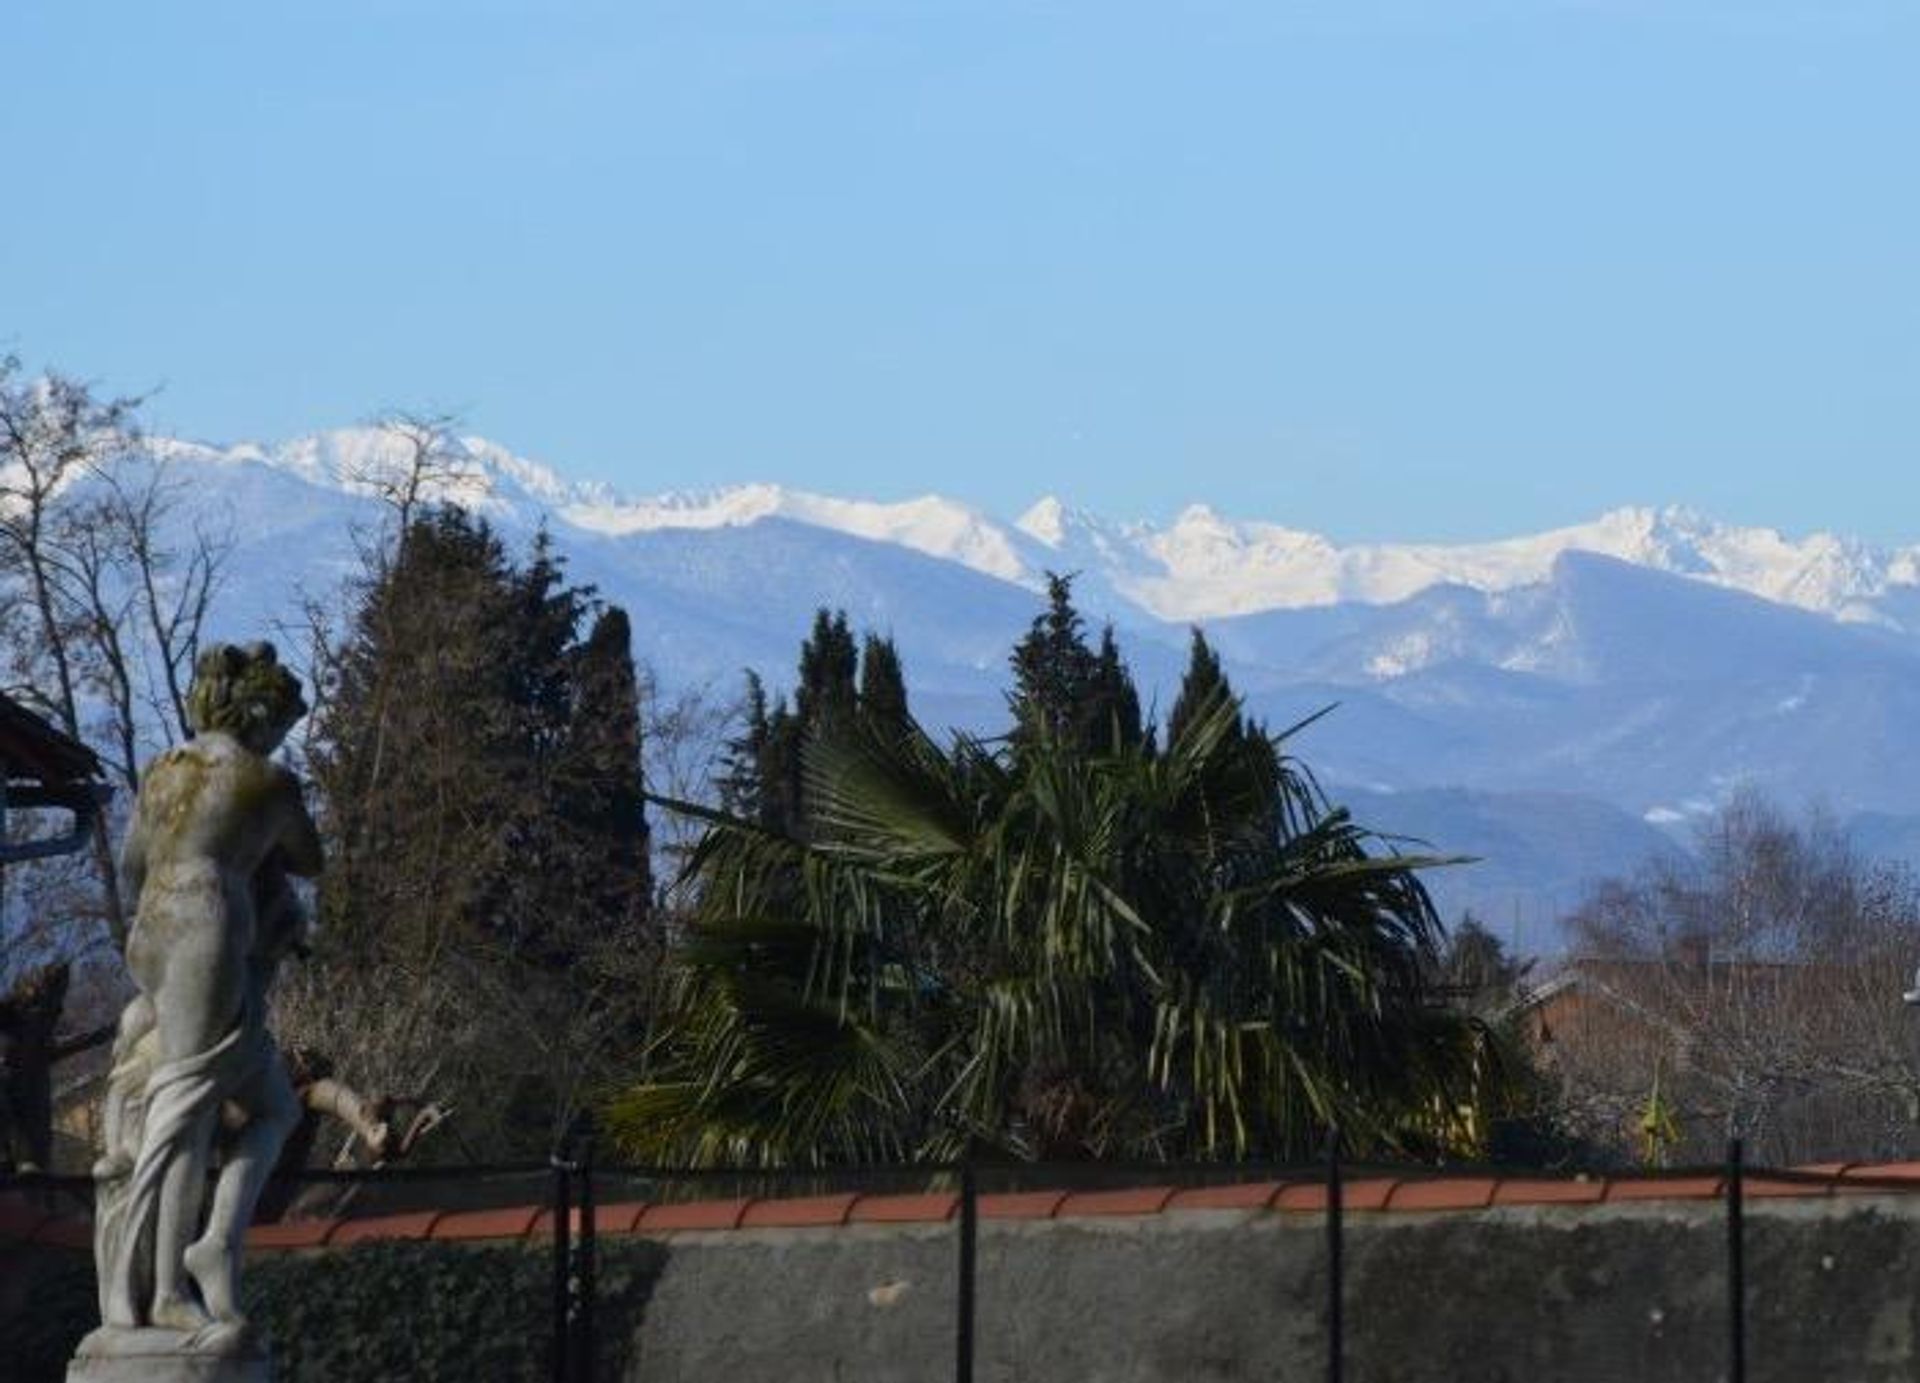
(1202, 566)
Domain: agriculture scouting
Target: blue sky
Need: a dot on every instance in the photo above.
(1433, 269)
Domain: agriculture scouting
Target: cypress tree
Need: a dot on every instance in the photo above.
(1052, 671)
(883, 686)
(1204, 686)
(1112, 720)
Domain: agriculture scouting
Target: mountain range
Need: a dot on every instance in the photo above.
(1563, 705)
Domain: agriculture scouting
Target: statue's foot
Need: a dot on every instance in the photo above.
(211, 1268)
(178, 1311)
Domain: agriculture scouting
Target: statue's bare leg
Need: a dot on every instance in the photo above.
(214, 1258)
(181, 1195)
(194, 1006)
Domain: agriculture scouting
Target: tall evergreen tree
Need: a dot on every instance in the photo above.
(741, 792)
(883, 686)
(479, 772)
(1052, 669)
(1203, 687)
(1064, 691)
(601, 801)
(1112, 719)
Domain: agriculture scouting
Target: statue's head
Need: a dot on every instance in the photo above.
(246, 693)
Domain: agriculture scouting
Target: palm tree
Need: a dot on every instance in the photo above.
(1050, 954)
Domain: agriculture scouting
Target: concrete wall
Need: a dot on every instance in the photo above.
(1533, 1295)
(1599, 1293)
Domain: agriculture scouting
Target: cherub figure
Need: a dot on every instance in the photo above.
(216, 829)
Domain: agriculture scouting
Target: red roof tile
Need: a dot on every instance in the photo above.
(1144, 1200)
(418, 1225)
(1444, 1193)
(1548, 1191)
(798, 1212)
(20, 1217)
(291, 1234)
(1252, 1195)
(1021, 1205)
(463, 1225)
(931, 1207)
(65, 1232)
(692, 1215)
(1662, 1188)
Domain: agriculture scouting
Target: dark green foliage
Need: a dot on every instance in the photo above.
(763, 776)
(1064, 691)
(478, 765)
(436, 1313)
(883, 686)
(598, 795)
(476, 760)
(1067, 945)
(1204, 686)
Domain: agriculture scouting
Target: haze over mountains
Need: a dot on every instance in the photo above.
(1561, 704)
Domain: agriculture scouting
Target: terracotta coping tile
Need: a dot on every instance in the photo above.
(460, 1225)
(20, 1217)
(418, 1225)
(64, 1232)
(543, 1223)
(928, 1208)
(621, 1217)
(798, 1212)
(1548, 1191)
(1764, 1187)
(1021, 1205)
(1444, 1193)
(1902, 1171)
(1142, 1200)
(693, 1215)
(1827, 1169)
(1663, 1189)
(292, 1234)
(1372, 1193)
(1253, 1195)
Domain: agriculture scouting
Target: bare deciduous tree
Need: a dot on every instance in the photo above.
(1754, 991)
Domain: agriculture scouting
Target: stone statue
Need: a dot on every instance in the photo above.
(217, 829)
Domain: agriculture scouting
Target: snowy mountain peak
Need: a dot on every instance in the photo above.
(1203, 565)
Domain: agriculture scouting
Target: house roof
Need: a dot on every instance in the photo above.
(32, 749)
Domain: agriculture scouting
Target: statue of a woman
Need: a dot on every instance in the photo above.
(216, 828)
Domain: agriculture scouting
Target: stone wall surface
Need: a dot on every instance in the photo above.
(1551, 1295)
(1627, 1292)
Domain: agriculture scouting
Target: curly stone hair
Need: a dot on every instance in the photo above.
(243, 691)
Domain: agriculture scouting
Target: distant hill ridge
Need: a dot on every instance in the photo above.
(1564, 703)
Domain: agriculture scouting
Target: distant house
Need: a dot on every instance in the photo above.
(43, 769)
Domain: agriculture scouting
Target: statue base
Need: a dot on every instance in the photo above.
(117, 1355)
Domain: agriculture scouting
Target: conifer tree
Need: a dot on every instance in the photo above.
(883, 686)
(1204, 686)
(1064, 691)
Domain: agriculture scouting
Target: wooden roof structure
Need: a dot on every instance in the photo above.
(41, 766)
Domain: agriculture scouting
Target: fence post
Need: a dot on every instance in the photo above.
(586, 1251)
(969, 1251)
(1336, 1313)
(1736, 1264)
(562, 1265)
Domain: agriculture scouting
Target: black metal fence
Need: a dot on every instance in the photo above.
(571, 1180)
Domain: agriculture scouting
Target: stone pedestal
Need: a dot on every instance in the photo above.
(111, 1355)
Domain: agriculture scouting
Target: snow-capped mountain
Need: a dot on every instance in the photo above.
(1603, 683)
(1202, 566)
